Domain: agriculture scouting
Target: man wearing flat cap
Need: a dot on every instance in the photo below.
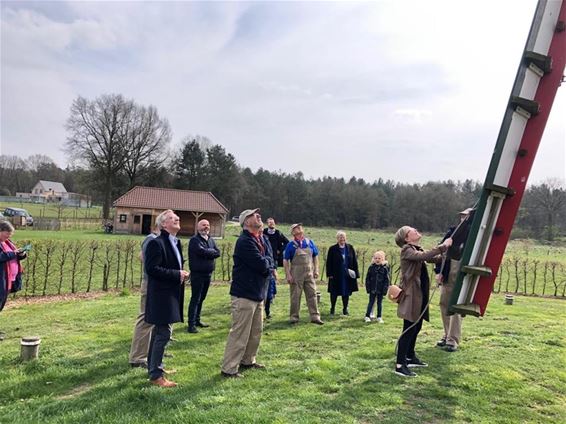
(300, 260)
(446, 275)
(253, 264)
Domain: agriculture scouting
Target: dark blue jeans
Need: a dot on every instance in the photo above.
(160, 336)
(372, 298)
(199, 289)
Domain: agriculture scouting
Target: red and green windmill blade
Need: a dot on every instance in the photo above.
(538, 78)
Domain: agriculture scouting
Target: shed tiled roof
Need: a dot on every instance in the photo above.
(168, 198)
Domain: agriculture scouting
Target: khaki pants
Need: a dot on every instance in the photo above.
(142, 332)
(308, 285)
(245, 334)
(452, 323)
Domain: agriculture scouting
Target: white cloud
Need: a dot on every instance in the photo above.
(335, 89)
(416, 115)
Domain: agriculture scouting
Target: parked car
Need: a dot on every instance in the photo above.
(9, 212)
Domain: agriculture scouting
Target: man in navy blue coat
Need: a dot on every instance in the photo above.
(165, 291)
(253, 264)
(202, 254)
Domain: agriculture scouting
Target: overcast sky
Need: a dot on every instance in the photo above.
(405, 90)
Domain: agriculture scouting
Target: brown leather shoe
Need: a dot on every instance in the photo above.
(163, 382)
(317, 321)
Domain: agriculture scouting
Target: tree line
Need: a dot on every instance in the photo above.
(115, 144)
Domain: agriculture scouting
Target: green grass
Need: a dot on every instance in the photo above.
(510, 368)
(53, 211)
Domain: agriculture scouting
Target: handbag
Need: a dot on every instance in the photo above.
(393, 292)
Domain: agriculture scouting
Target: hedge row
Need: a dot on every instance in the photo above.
(58, 267)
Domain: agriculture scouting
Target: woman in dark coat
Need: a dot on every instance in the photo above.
(10, 267)
(342, 272)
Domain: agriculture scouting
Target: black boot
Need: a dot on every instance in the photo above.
(345, 300)
(332, 304)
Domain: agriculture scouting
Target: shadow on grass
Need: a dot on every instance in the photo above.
(100, 382)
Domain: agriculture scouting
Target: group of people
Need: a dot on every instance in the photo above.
(257, 254)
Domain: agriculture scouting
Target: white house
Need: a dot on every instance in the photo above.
(54, 192)
(50, 189)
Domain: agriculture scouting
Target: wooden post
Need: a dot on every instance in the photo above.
(197, 215)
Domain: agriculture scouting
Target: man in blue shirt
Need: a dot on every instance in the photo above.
(300, 261)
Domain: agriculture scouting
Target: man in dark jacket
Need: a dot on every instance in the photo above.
(277, 240)
(278, 243)
(163, 263)
(446, 275)
(253, 263)
(202, 254)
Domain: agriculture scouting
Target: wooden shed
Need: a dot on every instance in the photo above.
(137, 209)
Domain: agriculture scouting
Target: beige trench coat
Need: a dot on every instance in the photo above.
(411, 298)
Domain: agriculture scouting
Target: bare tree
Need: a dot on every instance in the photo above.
(147, 141)
(14, 175)
(34, 162)
(96, 137)
(114, 137)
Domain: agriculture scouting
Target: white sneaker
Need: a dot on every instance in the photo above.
(371, 316)
(380, 320)
(367, 319)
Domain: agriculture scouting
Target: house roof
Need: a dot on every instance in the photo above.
(52, 185)
(168, 198)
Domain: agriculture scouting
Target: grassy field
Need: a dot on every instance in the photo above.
(53, 211)
(510, 368)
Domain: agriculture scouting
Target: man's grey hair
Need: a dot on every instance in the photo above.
(340, 233)
(162, 217)
(6, 226)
